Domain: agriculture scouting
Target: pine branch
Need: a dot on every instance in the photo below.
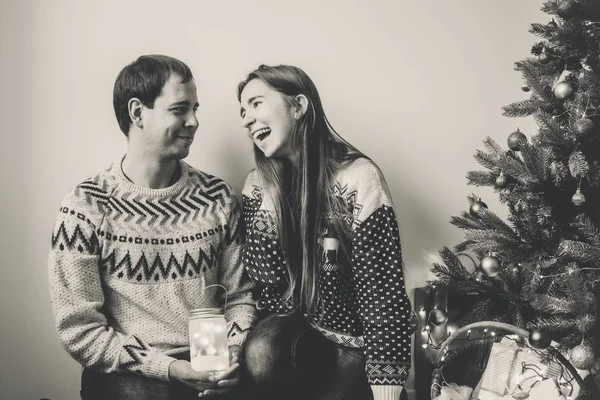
(452, 271)
(571, 247)
(541, 30)
(578, 166)
(486, 160)
(559, 172)
(587, 322)
(553, 324)
(522, 108)
(535, 80)
(466, 221)
(578, 292)
(551, 132)
(481, 178)
(493, 147)
(492, 221)
(587, 228)
(479, 312)
(535, 163)
(553, 305)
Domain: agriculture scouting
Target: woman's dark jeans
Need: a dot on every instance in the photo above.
(286, 359)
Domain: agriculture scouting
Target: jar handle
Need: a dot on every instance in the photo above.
(224, 288)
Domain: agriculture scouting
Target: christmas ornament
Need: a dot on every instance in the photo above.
(490, 265)
(552, 24)
(539, 339)
(476, 207)
(525, 88)
(582, 356)
(583, 126)
(500, 180)
(437, 316)
(544, 56)
(562, 90)
(516, 140)
(578, 198)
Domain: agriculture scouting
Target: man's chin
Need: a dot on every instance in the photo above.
(180, 155)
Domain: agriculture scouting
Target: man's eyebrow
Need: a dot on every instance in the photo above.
(184, 103)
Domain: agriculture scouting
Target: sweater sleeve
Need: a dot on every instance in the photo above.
(383, 303)
(77, 295)
(241, 312)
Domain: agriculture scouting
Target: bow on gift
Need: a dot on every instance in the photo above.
(452, 391)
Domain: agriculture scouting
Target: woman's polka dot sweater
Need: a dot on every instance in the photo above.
(365, 301)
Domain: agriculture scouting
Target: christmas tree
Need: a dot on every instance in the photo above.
(540, 270)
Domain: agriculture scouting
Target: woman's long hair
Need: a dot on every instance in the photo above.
(302, 196)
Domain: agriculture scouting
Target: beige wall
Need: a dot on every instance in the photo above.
(415, 84)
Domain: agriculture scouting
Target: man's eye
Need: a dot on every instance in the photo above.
(179, 110)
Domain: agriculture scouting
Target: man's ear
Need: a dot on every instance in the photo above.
(135, 111)
(301, 106)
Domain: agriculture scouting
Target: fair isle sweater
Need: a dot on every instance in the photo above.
(365, 302)
(128, 263)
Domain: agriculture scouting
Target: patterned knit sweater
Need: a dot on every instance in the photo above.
(128, 263)
(365, 302)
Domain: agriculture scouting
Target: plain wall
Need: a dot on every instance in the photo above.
(416, 85)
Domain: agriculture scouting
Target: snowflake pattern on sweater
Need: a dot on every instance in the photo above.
(365, 301)
(128, 263)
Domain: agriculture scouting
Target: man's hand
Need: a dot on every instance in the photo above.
(182, 371)
(228, 380)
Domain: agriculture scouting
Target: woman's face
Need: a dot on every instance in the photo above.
(268, 117)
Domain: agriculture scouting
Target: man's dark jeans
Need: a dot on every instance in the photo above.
(128, 386)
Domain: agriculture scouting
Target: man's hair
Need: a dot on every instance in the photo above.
(144, 79)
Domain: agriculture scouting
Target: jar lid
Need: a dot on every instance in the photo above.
(206, 311)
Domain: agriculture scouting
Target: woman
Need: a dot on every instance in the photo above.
(322, 241)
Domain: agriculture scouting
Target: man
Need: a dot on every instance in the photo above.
(135, 247)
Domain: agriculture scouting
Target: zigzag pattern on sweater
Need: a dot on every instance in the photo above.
(136, 352)
(78, 240)
(235, 330)
(189, 204)
(157, 269)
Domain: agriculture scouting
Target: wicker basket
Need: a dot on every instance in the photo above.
(473, 354)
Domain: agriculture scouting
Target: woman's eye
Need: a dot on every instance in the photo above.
(255, 104)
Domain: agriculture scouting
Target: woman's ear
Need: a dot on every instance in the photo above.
(301, 106)
(135, 111)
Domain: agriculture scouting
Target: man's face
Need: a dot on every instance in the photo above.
(169, 126)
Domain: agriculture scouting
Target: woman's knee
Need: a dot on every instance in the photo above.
(268, 348)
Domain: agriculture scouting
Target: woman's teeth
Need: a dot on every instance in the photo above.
(262, 133)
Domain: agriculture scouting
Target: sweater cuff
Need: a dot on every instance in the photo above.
(386, 373)
(386, 392)
(157, 366)
(242, 322)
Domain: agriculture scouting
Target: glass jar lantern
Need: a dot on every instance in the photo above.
(209, 349)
